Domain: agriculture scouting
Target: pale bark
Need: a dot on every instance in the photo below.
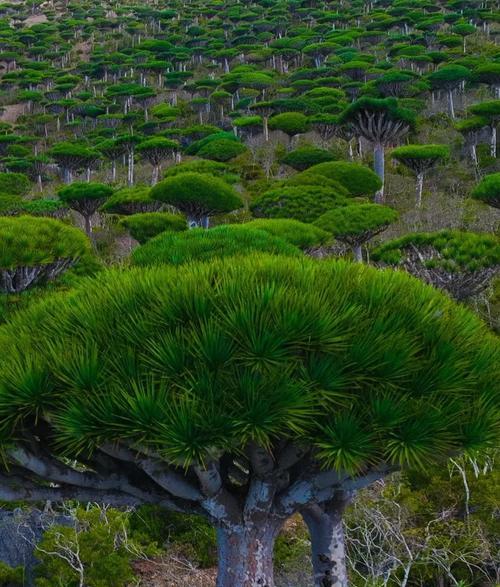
(358, 253)
(419, 189)
(265, 123)
(493, 142)
(379, 168)
(246, 554)
(155, 175)
(451, 104)
(327, 541)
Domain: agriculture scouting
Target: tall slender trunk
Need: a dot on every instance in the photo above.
(379, 168)
(246, 554)
(420, 186)
(493, 142)
(265, 122)
(451, 104)
(131, 167)
(155, 175)
(351, 152)
(88, 226)
(473, 154)
(327, 542)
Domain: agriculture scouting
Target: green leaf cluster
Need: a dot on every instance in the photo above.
(488, 190)
(305, 157)
(357, 179)
(205, 245)
(143, 227)
(357, 222)
(197, 193)
(26, 241)
(369, 366)
(299, 202)
(297, 233)
(454, 250)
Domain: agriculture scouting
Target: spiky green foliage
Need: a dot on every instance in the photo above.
(305, 157)
(309, 178)
(43, 207)
(357, 179)
(304, 203)
(197, 194)
(14, 184)
(358, 223)
(203, 166)
(367, 366)
(157, 148)
(37, 250)
(291, 123)
(488, 190)
(297, 233)
(85, 198)
(389, 108)
(143, 227)
(10, 205)
(73, 155)
(28, 241)
(131, 200)
(196, 146)
(454, 250)
(449, 76)
(421, 157)
(221, 150)
(205, 245)
(78, 194)
(489, 109)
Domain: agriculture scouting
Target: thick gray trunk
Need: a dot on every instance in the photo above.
(327, 544)
(358, 253)
(198, 221)
(246, 554)
(420, 186)
(379, 168)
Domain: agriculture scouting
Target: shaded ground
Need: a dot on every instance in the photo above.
(35, 19)
(11, 112)
(173, 572)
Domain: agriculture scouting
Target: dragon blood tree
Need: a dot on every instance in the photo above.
(131, 200)
(488, 190)
(36, 250)
(197, 195)
(420, 159)
(490, 112)
(72, 158)
(243, 390)
(357, 224)
(156, 150)
(85, 198)
(461, 263)
(382, 122)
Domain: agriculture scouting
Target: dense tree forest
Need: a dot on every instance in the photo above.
(249, 293)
